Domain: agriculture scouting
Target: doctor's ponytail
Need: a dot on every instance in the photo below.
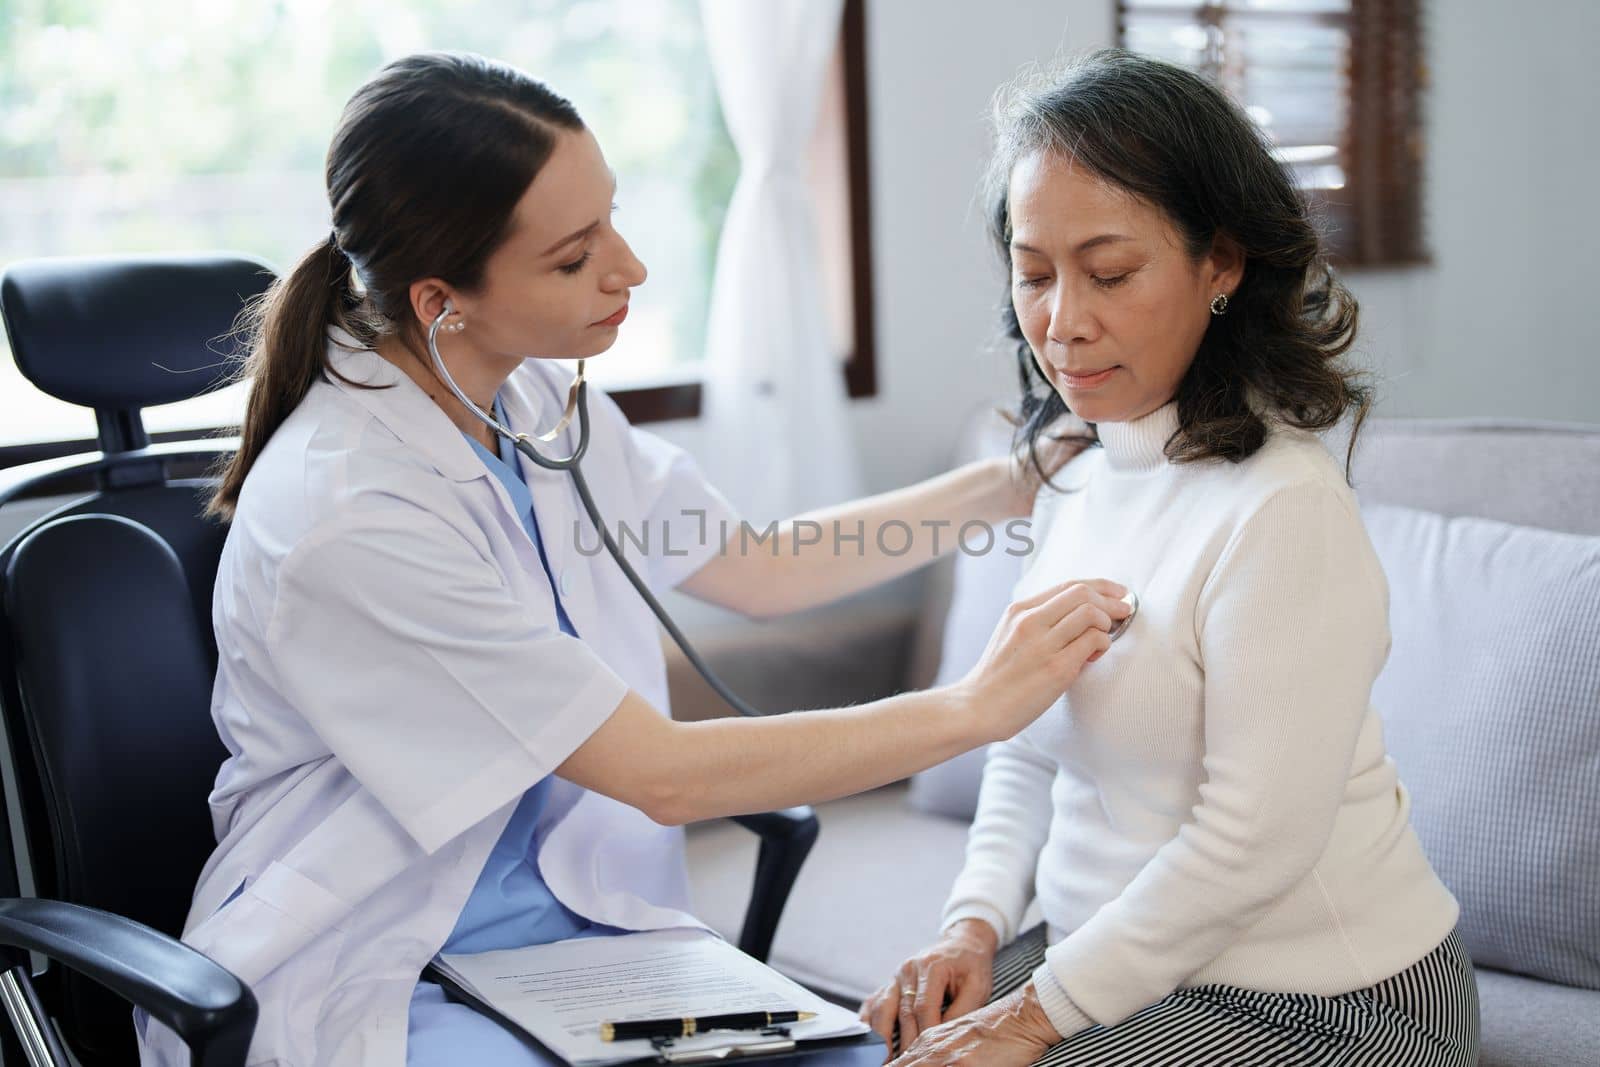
(288, 326)
(423, 175)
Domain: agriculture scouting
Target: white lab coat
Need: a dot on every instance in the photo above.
(392, 679)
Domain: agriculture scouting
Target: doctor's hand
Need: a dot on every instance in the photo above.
(944, 981)
(1037, 651)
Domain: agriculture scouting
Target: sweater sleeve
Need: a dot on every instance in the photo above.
(1008, 833)
(1293, 630)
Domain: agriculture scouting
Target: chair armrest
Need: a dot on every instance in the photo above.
(211, 1010)
(29, 478)
(786, 840)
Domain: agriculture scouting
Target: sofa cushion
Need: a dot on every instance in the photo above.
(983, 585)
(978, 586)
(1526, 473)
(829, 657)
(869, 895)
(1491, 706)
(1529, 1023)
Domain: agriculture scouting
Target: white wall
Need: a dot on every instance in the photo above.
(933, 69)
(1503, 321)
(1499, 324)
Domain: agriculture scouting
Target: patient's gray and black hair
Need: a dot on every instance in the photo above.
(1176, 141)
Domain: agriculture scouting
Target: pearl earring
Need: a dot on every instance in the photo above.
(456, 327)
(1219, 304)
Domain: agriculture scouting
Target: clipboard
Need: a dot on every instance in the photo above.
(865, 1050)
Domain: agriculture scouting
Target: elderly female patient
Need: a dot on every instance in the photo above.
(1218, 842)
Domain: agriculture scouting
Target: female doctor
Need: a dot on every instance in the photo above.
(446, 723)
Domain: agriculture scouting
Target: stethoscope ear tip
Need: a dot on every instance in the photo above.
(576, 406)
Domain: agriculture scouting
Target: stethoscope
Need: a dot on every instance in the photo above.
(577, 403)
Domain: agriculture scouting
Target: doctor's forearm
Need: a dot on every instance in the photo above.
(823, 555)
(680, 772)
(685, 772)
(814, 756)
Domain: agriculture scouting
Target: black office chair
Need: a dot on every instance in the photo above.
(106, 662)
(115, 688)
(106, 657)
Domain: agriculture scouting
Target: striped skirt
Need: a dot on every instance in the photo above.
(1425, 1016)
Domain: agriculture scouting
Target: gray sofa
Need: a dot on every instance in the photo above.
(1490, 534)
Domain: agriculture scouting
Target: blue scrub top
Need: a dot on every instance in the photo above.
(511, 907)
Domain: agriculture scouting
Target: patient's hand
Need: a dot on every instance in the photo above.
(944, 981)
(1014, 1031)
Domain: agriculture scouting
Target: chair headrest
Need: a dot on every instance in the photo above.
(127, 332)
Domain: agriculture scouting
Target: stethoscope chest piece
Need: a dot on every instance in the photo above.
(1120, 627)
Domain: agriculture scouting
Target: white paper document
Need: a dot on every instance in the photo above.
(561, 993)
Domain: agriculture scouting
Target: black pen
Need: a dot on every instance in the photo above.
(743, 1020)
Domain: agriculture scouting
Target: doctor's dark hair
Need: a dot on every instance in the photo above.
(425, 169)
(1175, 141)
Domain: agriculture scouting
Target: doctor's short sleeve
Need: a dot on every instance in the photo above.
(444, 697)
(685, 518)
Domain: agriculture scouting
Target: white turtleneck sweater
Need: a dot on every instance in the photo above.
(1211, 801)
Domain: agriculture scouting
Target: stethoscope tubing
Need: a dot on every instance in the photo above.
(570, 464)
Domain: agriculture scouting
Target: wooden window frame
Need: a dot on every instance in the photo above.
(1376, 220)
(682, 401)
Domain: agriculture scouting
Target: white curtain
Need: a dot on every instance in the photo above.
(774, 406)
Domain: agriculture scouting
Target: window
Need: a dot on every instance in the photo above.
(1337, 86)
(162, 127)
